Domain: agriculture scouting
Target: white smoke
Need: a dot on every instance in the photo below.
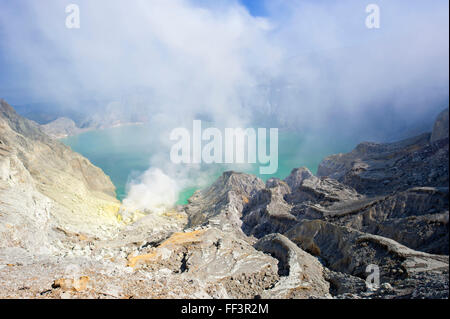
(154, 191)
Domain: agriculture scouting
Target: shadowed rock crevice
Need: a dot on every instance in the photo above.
(301, 275)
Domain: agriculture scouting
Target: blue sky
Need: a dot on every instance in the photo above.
(255, 7)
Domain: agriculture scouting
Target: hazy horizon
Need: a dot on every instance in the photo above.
(312, 67)
(307, 65)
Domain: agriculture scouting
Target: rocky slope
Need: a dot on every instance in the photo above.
(352, 217)
(37, 170)
(373, 168)
(308, 236)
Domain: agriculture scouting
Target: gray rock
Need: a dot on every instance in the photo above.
(342, 283)
(301, 275)
(222, 203)
(212, 257)
(297, 176)
(322, 191)
(376, 169)
(349, 251)
(417, 218)
(440, 129)
(267, 212)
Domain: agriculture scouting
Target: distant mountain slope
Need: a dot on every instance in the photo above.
(61, 127)
(43, 113)
(58, 121)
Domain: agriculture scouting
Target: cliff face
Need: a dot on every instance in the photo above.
(36, 170)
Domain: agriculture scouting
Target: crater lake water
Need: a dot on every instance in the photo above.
(124, 153)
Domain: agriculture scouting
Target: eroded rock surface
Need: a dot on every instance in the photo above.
(382, 207)
(222, 203)
(374, 168)
(302, 275)
(417, 218)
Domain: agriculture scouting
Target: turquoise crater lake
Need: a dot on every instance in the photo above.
(124, 153)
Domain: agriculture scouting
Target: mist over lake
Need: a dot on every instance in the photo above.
(124, 152)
